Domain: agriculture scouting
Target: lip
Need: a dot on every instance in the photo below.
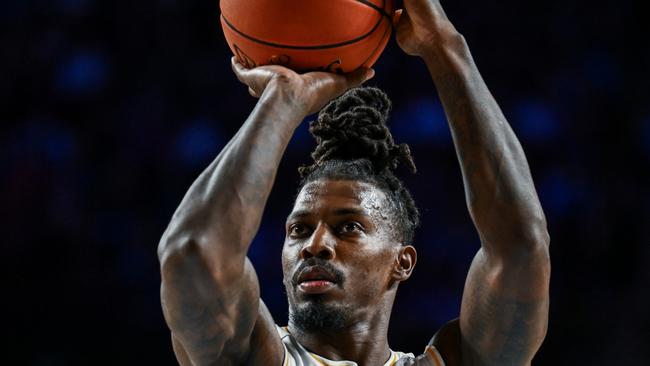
(313, 287)
(315, 273)
(315, 280)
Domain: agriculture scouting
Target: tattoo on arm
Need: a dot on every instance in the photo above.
(505, 303)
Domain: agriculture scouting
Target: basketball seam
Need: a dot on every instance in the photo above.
(381, 11)
(381, 40)
(371, 5)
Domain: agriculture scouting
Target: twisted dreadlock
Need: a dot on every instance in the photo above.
(354, 143)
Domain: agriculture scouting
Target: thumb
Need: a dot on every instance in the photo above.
(358, 77)
(397, 16)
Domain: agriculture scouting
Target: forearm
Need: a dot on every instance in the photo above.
(222, 210)
(499, 189)
(210, 293)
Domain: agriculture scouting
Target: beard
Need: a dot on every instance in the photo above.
(315, 316)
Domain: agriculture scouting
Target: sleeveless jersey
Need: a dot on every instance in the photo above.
(296, 355)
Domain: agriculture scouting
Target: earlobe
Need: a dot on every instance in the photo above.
(405, 263)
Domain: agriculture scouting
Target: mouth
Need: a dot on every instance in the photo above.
(316, 280)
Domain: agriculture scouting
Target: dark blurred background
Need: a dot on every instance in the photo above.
(110, 110)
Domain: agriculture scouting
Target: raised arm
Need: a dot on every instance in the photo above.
(210, 292)
(504, 310)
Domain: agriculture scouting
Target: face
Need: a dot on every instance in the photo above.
(340, 256)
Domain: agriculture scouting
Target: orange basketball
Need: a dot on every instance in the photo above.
(304, 35)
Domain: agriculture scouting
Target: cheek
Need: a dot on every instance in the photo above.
(288, 262)
(371, 276)
(284, 257)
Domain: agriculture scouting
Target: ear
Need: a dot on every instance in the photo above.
(405, 263)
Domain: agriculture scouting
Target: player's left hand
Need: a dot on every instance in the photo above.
(421, 25)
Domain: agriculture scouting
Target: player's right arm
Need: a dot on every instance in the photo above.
(210, 293)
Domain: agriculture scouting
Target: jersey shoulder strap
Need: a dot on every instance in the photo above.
(430, 357)
(296, 355)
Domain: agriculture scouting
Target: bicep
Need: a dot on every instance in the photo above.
(210, 313)
(504, 312)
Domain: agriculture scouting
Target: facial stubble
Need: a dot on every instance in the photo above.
(315, 314)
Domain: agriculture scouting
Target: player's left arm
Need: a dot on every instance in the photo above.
(504, 312)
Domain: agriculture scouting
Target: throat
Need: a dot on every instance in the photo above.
(366, 345)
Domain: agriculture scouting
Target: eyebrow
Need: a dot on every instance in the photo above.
(337, 212)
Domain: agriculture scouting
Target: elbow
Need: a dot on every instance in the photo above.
(172, 244)
(180, 240)
(181, 250)
(504, 226)
(529, 232)
(182, 255)
(532, 250)
(175, 254)
(519, 239)
(537, 235)
(539, 249)
(533, 241)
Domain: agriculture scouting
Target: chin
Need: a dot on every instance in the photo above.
(317, 314)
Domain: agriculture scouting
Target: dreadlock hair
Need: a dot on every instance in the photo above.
(354, 143)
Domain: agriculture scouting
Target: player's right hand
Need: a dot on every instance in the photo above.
(309, 92)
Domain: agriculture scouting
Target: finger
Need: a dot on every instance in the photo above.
(239, 69)
(336, 85)
(401, 19)
(358, 77)
(397, 16)
(339, 84)
(253, 93)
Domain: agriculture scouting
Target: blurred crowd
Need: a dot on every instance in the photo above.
(110, 110)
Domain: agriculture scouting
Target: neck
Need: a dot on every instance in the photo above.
(364, 341)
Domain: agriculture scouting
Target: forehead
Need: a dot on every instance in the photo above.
(336, 194)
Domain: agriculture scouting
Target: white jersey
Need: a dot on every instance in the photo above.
(296, 355)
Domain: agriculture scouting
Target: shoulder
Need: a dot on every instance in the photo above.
(430, 357)
(442, 350)
(447, 342)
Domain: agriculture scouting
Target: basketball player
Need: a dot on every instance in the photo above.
(349, 237)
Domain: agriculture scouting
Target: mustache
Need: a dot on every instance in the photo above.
(339, 278)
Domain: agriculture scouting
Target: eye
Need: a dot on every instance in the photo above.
(297, 230)
(350, 227)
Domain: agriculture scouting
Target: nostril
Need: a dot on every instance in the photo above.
(305, 253)
(322, 253)
(325, 254)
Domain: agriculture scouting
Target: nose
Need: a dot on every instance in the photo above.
(321, 244)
